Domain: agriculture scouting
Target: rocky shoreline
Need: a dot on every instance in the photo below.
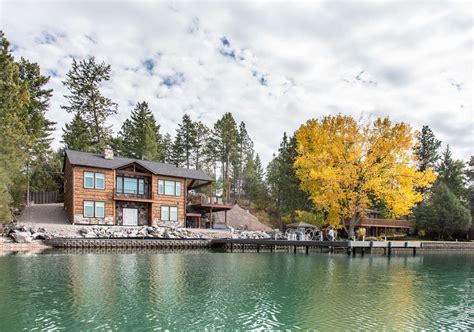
(23, 237)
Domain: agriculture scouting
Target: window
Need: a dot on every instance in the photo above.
(169, 188)
(88, 180)
(119, 184)
(173, 213)
(141, 186)
(88, 209)
(161, 187)
(94, 180)
(130, 185)
(169, 213)
(99, 209)
(94, 209)
(172, 188)
(165, 213)
(99, 180)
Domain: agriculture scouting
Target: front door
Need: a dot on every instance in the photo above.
(130, 217)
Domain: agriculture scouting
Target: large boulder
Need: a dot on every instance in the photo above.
(21, 237)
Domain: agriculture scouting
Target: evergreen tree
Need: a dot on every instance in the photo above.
(224, 136)
(38, 127)
(427, 148)
(443, 214)
(14, 142)
(453, 174)
(244, 149)
(185, 142)
(140, 136)
(166, 149)
(253, 183)
(285, 194)
(199, 148)
(77, 136)
(84, 81)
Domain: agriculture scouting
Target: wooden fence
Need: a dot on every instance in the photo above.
(46, 197)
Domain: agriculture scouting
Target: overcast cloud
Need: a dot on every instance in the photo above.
(272, 64)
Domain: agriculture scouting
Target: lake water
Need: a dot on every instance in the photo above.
(199, 290)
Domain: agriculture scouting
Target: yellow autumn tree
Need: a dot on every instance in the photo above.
(346, 166)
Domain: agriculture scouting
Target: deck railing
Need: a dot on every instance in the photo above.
(202, 199)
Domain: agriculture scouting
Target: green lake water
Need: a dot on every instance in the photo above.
(236, 291)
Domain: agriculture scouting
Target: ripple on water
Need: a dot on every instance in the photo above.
(266, 291)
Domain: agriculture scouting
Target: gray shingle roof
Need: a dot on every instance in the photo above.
(97, 160)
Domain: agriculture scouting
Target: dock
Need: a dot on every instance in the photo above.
(351, 247)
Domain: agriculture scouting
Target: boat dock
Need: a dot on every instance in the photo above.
(351, 247)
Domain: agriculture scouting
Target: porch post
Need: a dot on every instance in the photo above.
(225, 218)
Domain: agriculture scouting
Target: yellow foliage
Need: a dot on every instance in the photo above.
(346, 166)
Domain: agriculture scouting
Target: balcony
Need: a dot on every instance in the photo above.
(133, 189)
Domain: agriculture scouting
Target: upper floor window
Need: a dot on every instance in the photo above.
(94, 180)
(172, 188)
(128, 185)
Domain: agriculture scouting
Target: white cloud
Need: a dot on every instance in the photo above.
(281, 64)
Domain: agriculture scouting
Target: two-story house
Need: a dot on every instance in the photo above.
(102, 189)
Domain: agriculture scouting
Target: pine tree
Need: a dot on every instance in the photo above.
(185, 141)
(253, 183)
(77, 136)
(443, 214)
(427, 148)
(166, 149)
(140, 135)
(453, 174)
(244, 150)
(285, 194)
(14, 142)
(224, 136)
(39, 128)
(84, 81)
(199, 147)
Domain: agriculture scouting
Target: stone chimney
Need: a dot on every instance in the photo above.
(108, 153)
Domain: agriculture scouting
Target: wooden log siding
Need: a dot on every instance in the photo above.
(82, 194)
(167, 200)
(69, 191)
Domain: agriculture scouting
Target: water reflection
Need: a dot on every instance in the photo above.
(201, 289)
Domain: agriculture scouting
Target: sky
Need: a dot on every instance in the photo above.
(274, 65)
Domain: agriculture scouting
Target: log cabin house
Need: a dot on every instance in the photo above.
(102, 189)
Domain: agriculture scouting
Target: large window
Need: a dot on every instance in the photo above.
(94, 209)
(128, 185)
(94, 180)
(166, 187)
(169, 213)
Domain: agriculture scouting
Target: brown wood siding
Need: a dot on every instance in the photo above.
(69, 190)
(82, 194)
(159, 200)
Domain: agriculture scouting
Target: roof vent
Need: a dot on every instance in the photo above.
(108, 153)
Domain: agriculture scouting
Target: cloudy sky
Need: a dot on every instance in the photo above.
(272, 64)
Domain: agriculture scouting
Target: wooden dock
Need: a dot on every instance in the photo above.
(351, 247)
